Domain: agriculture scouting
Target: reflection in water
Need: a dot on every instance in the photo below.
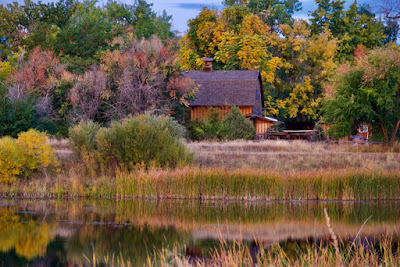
(29, 238)
(54, 233)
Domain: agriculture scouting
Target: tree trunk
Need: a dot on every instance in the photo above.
(393, 136)
(384, 131)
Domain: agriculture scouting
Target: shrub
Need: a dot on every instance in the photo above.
(83, 137)
(83, 142)
(10, 159)
(215, 127)
(211, 128)
(142, 141)
(237, 127)
(30, 153)
(37, 153)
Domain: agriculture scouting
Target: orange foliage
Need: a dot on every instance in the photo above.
(39, 74)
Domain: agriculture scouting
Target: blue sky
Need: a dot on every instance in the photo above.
(183, 10)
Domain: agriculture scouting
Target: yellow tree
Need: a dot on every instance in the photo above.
(235, 38)
(294, 65)
(307, 64)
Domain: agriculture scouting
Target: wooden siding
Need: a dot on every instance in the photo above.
(201, 112)
(262, 126)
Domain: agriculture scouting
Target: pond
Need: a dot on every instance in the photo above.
(67, 232)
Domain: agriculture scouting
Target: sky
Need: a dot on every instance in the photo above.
(183, 10)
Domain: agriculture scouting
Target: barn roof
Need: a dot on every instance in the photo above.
(218, 87)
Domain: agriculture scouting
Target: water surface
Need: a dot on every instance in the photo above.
(61, 233)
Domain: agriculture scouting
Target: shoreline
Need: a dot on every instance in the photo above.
(219, 201)
(215, 184)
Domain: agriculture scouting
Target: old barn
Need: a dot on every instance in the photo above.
(224, 89)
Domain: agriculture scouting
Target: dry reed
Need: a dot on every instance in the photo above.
(217, 184)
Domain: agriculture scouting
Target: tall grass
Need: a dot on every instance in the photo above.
(238, 253)
(219, 184)
(357, 253)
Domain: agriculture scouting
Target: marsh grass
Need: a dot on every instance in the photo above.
(237, 253)
(384, 252)
(217, 184)
(238, 170)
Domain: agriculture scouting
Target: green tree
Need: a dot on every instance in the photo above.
(10, 29)
(141, 18)
(146, 23)
(272, 12)
(78, 31)
(237, 127)
(33, 24)
(88, 32)
(351, 27)
(16, 117)
(368, 92)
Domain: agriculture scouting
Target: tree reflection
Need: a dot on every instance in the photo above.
(28, 237)
(65, 232)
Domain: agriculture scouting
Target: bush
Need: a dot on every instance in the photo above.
(30, 153)
(83, 137)
(214, 127)
(211, 128)
(36, 151)
(10, 159)
(142, 141)
(237, 127)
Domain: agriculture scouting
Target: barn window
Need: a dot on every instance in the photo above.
(363, 128)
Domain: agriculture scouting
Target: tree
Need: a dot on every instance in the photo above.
(17, 116)
(294, 64)
(307, 64)
(144, 78)
(237, 127)
(77, 31)
(390, 9)
(368, 92)
(31, 96)
(392, 29)
(141, 18)
(87, 94)
(88, 32)
(146, 23)
(236, 38)
(357, 25)
(11, 31)
(33, 24)
(272, 12)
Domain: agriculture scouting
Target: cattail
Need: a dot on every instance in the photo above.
(334, 238)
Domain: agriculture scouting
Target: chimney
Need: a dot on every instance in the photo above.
(208, 64)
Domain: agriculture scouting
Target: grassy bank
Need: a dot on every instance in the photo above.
(217, 184)
(238, 170)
